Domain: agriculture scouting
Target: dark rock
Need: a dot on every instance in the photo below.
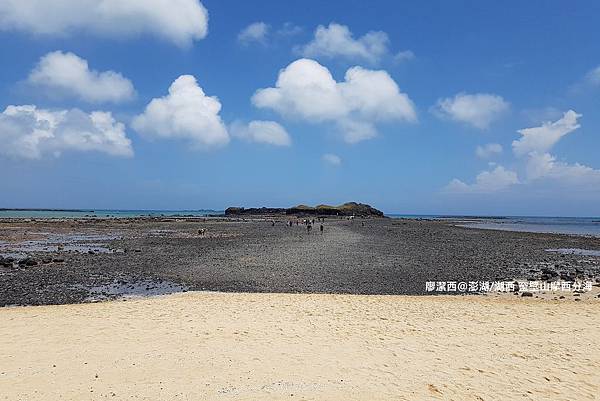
(235, 211)
(28, 262)
(549, 272)
(347, 209)
(527, 294)
(46, 260)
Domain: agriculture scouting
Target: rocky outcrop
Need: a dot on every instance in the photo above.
(237, 211)
(347, 209)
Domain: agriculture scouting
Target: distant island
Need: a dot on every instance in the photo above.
(347, 209)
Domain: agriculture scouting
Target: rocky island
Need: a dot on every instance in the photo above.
(347, 209)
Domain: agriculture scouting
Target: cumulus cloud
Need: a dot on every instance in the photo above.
(478, 110)
(185, 113)
(31, 133)
(541, 165)
(69, 74)
(336, 40)
(268, 132)
(306, 90)
(541, 139)
(178, 21)
(541, 169)
(494, 180)
(488, 150)
(332, 159)
(255, 32)
(545, 166)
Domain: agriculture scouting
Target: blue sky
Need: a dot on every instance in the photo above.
(379, 102)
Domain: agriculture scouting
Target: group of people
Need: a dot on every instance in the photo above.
(309, 223)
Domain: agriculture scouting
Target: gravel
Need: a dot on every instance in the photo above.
(372, 256)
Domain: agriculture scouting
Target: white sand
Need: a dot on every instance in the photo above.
(198, 346)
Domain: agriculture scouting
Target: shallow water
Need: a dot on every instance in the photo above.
(143, 288)
(588, 226)
(82, 243)
(575, 251)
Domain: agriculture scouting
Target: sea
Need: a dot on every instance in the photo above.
(91, 213)
(588, 226)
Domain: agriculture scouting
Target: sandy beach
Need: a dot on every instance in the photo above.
(228, 346)
(257, 309)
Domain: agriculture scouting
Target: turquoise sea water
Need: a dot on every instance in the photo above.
(62, 214)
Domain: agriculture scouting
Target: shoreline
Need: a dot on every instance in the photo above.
(78, 260)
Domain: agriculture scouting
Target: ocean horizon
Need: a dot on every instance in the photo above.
(537, 224)
(102, 213)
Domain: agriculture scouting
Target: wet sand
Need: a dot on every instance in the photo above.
(233, 346)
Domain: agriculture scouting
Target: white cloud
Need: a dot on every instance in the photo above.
(306, 90)
(495, 180)
(403, 56)
(289, 29)
(534, 145)
(268, 132)
(337, 41)
(354, 131)
(185, 113)
(478, 110)
(69, 74)
(542, 172)
(255, 32)
(178, 21)
(31, 133)
(488, 150)
(541, 139)
(332, 159)
(545, 166)
(593, 77)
